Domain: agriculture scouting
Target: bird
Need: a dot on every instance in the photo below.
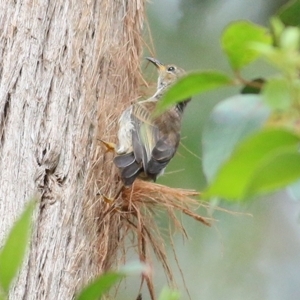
(147, 142)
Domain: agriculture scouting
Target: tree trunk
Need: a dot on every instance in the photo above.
(67, 69)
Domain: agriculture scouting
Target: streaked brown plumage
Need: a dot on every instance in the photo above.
(147, 144)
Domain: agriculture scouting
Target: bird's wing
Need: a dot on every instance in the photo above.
(162, 153)
(145, 134)
(152, 145)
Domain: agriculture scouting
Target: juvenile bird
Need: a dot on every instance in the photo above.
(146, 143)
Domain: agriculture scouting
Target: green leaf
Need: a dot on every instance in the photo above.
(290, 38)
(236, 40)
(236, 177)
(14, 249)
(230, 121)
(103, 283)
(277, 28)
(97, 288)
(277, 94)
(192, 84)
(286, 59)
(168, 294)
(289, 13)
(276, 172)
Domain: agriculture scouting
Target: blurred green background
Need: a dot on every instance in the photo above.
(241, 256)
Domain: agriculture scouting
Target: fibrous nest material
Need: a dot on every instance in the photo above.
(135, 214)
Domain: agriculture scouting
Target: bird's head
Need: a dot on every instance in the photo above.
(167, 74)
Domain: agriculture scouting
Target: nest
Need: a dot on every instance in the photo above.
(137, 208)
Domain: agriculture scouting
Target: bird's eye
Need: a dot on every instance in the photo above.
(171, 69)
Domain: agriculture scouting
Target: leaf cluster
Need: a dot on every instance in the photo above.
(251, 142)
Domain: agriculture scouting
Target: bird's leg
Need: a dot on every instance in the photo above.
(110, 147)
(110, 200)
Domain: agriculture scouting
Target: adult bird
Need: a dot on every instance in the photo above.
(146, 143)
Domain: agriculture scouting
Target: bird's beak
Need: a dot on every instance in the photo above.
(158, 64)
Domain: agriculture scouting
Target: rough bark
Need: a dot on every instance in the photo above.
(67, 68)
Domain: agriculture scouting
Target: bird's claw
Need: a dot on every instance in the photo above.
(110, 147)
(108, 200)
